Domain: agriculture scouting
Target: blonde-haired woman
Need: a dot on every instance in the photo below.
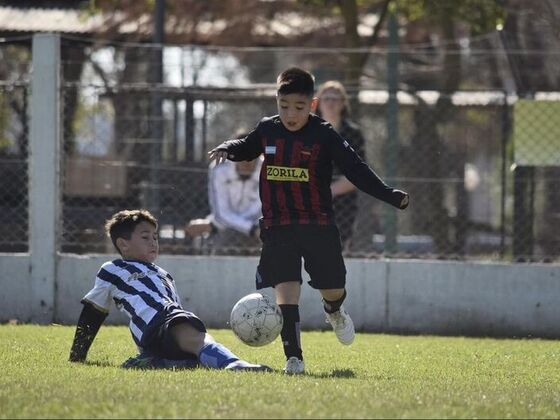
(334, 107)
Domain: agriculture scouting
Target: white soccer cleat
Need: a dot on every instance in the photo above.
(246, 366)
(342, 325)
(294, 366)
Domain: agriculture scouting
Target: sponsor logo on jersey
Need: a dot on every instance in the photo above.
(283, 173)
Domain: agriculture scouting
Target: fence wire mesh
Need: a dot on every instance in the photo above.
(481, 169)
(14, 136)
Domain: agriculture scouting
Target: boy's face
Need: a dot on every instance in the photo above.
(142, 245)
(294, 110)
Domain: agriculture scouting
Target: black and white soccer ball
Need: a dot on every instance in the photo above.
(256, 320)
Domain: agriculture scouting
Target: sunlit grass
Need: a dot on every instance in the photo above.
(378, 376)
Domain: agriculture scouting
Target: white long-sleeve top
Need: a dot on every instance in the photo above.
(234, 201)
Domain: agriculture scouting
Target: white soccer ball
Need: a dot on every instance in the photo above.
(256, 320)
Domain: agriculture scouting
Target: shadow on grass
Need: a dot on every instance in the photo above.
(99, 363)
(337, 373)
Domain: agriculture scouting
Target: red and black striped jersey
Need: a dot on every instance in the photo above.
(297, 171)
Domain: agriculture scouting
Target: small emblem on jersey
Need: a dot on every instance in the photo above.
(136, 276)
(270, 150)
(282, 173)
(346, 144)
(306, 152)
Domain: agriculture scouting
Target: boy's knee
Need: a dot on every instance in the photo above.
(333, 294)
(188, 338)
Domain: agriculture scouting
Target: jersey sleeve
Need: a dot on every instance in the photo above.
(358, 172)
(247, 148)
(358, 143)
(101, 294)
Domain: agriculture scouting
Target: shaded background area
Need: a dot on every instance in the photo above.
(436, 104)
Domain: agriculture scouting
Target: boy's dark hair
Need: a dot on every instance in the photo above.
(295, 80)
(122, 224)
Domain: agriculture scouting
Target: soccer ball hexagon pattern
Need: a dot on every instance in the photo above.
(256, 320)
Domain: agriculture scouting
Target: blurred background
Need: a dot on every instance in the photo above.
(457, 102)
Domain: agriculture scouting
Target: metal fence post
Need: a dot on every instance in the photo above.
(390, 216)
(505, 133)
(44, 170)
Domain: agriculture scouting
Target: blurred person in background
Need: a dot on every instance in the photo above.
(334, 107)
(233, 195)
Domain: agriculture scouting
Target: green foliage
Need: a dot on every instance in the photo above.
(480, 15)
(93, 7)
(378, 376)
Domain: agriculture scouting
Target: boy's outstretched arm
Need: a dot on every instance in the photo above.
(247, 148)
(88, 325)
(363, 176)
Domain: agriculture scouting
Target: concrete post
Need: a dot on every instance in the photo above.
(44, 170)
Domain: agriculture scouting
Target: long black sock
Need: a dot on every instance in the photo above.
(290, 331)
(331, 306)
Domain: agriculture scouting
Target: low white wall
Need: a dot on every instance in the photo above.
(15, 287)
(437, 297)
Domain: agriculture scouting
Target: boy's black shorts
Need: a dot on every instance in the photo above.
(285, 246)
(162, 344)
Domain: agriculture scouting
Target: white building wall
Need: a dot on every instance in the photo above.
(424, 297)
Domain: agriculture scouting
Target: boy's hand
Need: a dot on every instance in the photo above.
(220, 155)
(404, 199)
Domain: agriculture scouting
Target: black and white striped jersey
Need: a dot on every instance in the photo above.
(144, 291)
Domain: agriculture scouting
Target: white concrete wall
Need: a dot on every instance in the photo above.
(15, 287)
(434, 297)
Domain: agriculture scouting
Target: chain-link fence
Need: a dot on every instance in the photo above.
(14, 132)
(136, 135)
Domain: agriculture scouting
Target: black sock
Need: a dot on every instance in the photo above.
(331, 306)
(290, 331)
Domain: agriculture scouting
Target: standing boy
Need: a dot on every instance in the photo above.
(298, 220)
(166, 334)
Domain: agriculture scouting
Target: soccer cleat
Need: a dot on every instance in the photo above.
(140, 361)
(294, 366)
(246, 366)
(342, 325)
(145, 361)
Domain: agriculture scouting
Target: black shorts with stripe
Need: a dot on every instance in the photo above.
(160, 343)
(284, 247)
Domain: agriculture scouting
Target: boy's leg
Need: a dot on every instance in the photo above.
(325, 265)
(187, 338)
(332, 299)
(337, 315)
(281, 261)
(210, 353)
(287, 298)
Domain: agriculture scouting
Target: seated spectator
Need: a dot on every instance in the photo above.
(233, 195)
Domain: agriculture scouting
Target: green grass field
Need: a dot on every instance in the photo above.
(378, 376)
